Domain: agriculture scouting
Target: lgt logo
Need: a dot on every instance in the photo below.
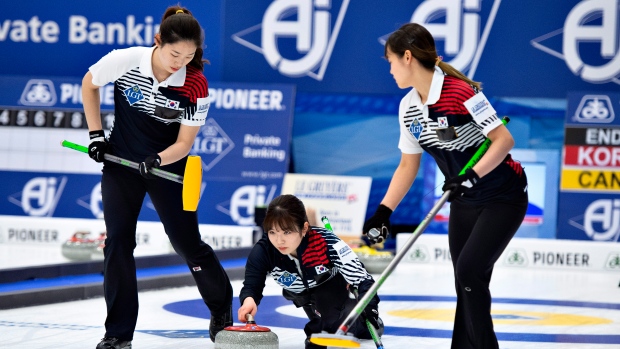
(314, 42)
(595, 109)
(211, 144)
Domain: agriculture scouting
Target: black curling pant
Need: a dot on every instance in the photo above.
(478, 236)
(327, 306)
(123, 191)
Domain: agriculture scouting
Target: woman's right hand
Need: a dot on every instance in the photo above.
(248, 307)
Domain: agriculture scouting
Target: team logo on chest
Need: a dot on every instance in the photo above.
(133, 94)
(416, 128)
(170, 104)
(287, 279)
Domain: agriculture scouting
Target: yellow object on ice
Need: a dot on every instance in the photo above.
(367, 250)
(334, 340)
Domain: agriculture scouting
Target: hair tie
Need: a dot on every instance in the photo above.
(438, 59)
(179, 11)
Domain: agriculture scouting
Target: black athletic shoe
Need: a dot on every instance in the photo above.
(219, 322)
(310, 345)
(113, 343)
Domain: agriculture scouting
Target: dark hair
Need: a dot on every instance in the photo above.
(419, 41)
(178, 24)
(287, 212)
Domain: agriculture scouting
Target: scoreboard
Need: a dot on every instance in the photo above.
(589, 207)
(40, 118)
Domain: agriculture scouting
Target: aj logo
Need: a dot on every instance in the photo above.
(593, 21)
(245, 200)
(602, 220)
(92, 201)
(40, 196)
(309, 23)
(39, 92)
(461, 32)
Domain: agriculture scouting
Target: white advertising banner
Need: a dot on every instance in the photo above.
(342, 199)
(33, 241)
(524, 253)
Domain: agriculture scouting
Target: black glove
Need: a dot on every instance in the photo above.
(379, 221)
(371, 313)
(151, 162)
(98, 145)
(459, 184)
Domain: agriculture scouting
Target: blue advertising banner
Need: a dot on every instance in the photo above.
(248, 131)
(589, 208)
(589, 217)
(244, 147)
(45, 194)
(523, 48)
(66, 195)
(64, 39)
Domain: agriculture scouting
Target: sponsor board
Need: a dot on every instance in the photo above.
(567, 45)
(589, 180)
(342, 199)
(593, 109)
(590, 216)
(591, 156)
(29, 241)
(523, 253)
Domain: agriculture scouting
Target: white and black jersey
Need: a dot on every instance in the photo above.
(148, 113)
(321, 257)
(450, 126)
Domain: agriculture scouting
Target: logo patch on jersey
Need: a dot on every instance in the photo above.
(345, 252)
(287, 279)
(170, 104)
(416, 128)
(320, 269)
(442, 121)
(480, 108)
(133, 94)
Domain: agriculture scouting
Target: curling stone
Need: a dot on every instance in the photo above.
(249, 336)
(374, 261)
(79, 247)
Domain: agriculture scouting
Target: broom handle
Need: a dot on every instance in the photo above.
(159, 173)
(361, 305)
(371, 329)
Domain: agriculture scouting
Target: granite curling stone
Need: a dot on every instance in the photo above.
(374, 261)
(248, 336)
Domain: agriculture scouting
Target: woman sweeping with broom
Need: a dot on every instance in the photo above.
(317, 271)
